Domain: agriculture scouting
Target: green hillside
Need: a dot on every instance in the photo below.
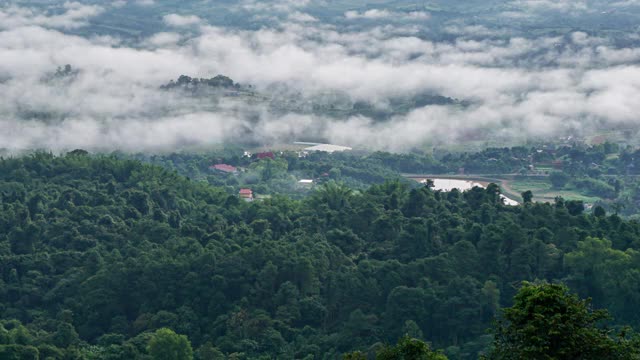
(97, 254)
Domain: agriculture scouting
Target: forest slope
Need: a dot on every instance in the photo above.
(97, 252)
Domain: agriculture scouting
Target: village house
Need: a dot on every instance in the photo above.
(246, 194)
(224, 168)
(305, 183)
(265, 155)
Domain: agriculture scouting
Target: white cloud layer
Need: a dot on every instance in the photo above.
(181, 20)
(74, 15)
(552, 5)
(514, 87)
(376, 14)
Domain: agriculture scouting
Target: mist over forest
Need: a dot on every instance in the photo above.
(512, 72)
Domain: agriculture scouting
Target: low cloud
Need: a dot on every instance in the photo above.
(145, 2)
(74, 15)
(624, 3)
(282, 6)
(507, 87)
(181, 20)
(552, 5)
(537, 9)
(475, 31)
(301, 17)
(376, 14)
(163, 39)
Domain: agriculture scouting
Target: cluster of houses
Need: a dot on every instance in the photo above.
(248, 195)
(244, 193)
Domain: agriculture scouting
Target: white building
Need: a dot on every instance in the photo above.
(305, 183)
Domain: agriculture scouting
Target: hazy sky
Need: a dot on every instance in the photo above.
(534, 86)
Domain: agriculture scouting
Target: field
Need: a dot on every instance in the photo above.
(543, 192)
(512, 186)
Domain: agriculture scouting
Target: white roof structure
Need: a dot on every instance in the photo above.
(328, 148)
(305, 181)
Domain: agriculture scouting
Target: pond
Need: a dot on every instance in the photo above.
(445, 184)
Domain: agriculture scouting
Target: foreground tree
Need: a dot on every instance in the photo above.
(406, 349)
(547, 322)
(167, 345)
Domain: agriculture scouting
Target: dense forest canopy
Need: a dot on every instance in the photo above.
(98, 254)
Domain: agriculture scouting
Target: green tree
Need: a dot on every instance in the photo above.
(547, 322)
(559, 179)
(167, 345)
(606, 274)
(209, 352)
(335, 195)
(409, 349)
(411, 329)
(65, 335)
(575, 207)
(18, 352)
(356, 355)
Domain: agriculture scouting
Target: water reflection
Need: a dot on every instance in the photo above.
(463, 185)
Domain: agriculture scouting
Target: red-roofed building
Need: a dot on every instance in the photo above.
(246, 194)
(557, 164)
(224, 168)
(265, 155)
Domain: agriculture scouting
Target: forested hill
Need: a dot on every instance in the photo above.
(96, 253)
(281, 99)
